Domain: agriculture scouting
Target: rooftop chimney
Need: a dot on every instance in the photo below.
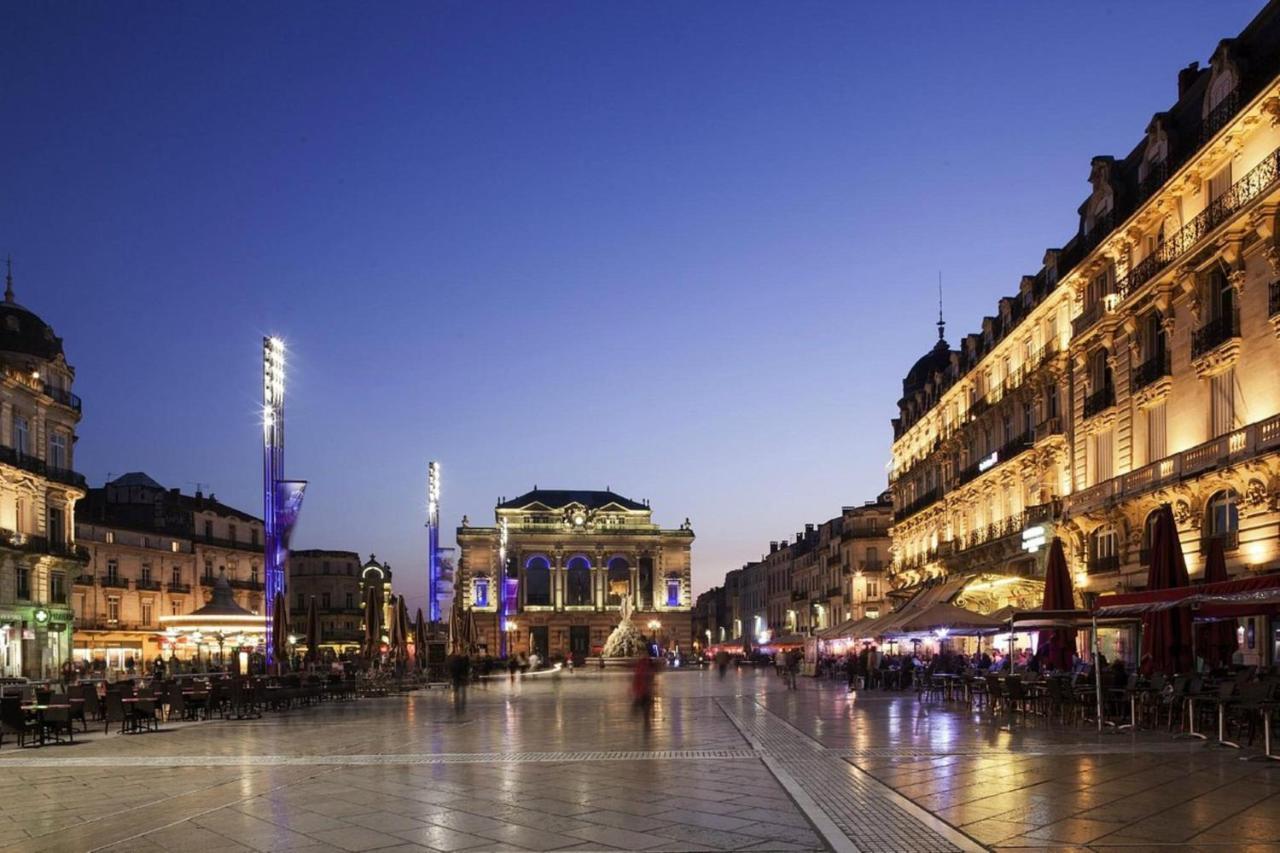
(1187, 77)
(773, 546)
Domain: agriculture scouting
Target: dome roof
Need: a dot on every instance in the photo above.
(22, 331)
(934, 361)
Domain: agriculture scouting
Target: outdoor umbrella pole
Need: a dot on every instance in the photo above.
(1097, 670)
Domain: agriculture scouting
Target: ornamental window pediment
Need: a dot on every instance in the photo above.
(1224, 78)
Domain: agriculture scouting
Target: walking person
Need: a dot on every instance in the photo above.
(460, 675)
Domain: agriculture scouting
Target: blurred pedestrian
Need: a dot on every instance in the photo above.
(642, 684)
(460, 676)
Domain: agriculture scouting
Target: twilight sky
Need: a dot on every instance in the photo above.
(687, 251)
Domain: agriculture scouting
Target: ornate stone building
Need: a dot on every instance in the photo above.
(1174, 356)
(154, 551)
(38, 494)
(1137, 367)
(570, 558)
(333, 579)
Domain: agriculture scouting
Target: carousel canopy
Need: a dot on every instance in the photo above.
(221, 615)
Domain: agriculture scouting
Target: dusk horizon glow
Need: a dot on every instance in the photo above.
(685, 253)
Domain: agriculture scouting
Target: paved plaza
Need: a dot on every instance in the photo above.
(565, 764)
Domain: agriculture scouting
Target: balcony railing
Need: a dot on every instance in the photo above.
(179, 587)
(1099, 401)
(1090, 315)
(833, 591)
(1048, 427)
(116, 583)
(1098, 565)
(147, 584)
(1154, 368)
(1215, 333)
(928, 498)
(1246, 443)
(1230, 541)
(239, 584)
(1255, 182)
(83, 580)
(1220, 115)
(62, 397)
(26, 462)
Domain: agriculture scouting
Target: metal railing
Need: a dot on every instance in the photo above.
(928, 498)
(1099, 401)
(62, 397)
(1048, 427)
(1230, 540)
(1215, 333)
(116, 582)
(179, 587)
(147, 584)
(1220, 115)
(1098, 565)
(27, 462)
(1156, 367)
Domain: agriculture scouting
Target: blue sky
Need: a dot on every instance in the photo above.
(687, 251)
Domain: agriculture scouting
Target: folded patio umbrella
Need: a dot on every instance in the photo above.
(402, 619)
(280, 632)
(1166, 634)
(420, 641)
(372, 623)
(1216, 641)
(1060, 643)
(313, 631)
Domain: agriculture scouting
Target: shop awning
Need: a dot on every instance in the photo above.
(1032, 620)
(848, 629)
(1259, 590)
(922, 600)
(940, 616)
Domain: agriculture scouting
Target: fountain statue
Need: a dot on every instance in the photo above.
(626, 641)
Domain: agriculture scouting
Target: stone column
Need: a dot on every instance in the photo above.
(557, 581)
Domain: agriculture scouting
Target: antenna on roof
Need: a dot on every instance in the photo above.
(942, 324)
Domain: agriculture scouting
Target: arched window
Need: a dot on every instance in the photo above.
(480, 592)
(1104, 553)
(1148, 536)
(619, 580)
(578, 581)
(1222, 518)
(673, 590)
(537, 582)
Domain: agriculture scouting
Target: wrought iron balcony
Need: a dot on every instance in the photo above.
(1215, 333)
(236, 583)
(62, 397)
(1156, 367)
(1220, 116)
(1048, 427)
(833, 591)
(1255, 182)
(147, 584)
(83, 580)
(1097, 565)
(1230, 541)
(928, 498)
(1099, 401)
(1090, 315)
(26, 462)
(116, 582)
(179, 587)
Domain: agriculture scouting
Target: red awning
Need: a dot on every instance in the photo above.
(1260, 590)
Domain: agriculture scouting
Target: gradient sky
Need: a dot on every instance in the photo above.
(684, 250)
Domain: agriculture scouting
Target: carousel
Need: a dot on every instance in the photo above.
(218, 629)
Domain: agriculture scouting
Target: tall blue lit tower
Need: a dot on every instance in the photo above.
(281, 498)
(433, 541)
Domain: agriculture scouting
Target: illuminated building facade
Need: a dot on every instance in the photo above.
(377, 576)
(39, 490)
(570, 558)
(1137, 367)
(332, 578)
(1174, 352)
(155, 552)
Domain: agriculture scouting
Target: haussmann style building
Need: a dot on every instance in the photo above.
(39, 490)
(1140, 366)
(571, 558)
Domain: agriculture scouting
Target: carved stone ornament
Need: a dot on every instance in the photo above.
(1182, 513)
(1237, 279)
(1272, 253)
(1271, 109)
(1255, 495)
(1217, 359)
